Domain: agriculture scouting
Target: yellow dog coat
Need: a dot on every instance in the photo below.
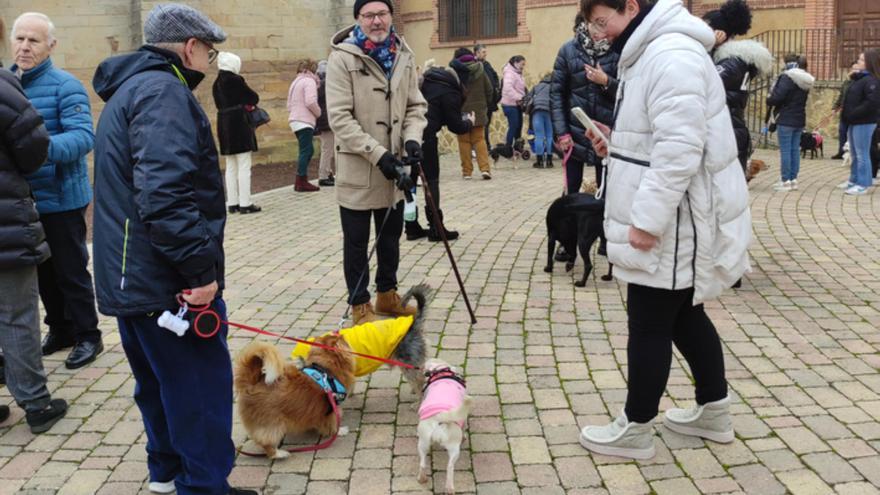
(376, 338)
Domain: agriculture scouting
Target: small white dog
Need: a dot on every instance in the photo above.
(442, 413)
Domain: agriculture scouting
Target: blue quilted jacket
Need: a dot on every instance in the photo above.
(62, 183)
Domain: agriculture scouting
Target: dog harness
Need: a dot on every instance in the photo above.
(328, 383)
(444, 391)
(376, 338)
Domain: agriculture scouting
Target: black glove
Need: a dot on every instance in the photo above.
(413, 150)
(390, 166)
(406, 184)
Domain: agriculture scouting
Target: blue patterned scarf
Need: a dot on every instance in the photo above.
(383, 53)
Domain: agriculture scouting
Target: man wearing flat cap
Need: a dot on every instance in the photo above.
(159, 219)
(377, 114)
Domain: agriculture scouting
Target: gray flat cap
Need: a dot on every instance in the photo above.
(176, 23)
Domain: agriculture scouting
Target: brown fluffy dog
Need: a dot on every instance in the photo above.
(276, 398)
(755, 167)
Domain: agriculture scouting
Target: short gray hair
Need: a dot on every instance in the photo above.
(34, 15)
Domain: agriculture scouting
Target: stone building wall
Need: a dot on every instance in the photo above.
(269, 36)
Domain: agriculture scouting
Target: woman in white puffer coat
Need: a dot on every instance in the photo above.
(676, 215)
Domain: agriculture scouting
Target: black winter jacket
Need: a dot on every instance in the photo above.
(738, 63)
(496, 85)
(789, 97)
(159, 205)
(861, 105)
(234, 131)
(23, 149)
(570, 88)
(540, 96)
(322, 124)
(445, 97)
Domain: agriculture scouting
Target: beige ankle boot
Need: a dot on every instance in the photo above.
(362, 313)
(388, 303)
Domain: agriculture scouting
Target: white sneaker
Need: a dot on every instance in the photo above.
(160, 487)
(794, 184)
(783, 186)
(711, 421)
(620, 438)
(466, 177)
(875, 181)
(856, 190)
(845, 185)
(487, 176)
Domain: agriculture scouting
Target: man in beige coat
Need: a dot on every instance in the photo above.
(377, 113)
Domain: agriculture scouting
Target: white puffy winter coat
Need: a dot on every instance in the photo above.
(672, 164)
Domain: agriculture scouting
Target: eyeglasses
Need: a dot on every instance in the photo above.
(212, 54)
(372, 16)
(599, 25)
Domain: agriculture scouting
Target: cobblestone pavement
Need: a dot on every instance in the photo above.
(801, 348)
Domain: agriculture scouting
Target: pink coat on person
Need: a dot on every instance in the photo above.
(302, 99)
(513, 86)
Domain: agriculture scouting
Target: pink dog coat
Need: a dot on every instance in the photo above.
(442, 395)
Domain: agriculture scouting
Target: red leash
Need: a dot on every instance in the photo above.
(202, 311)
(311, 448)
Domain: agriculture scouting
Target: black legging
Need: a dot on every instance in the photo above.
(657, 319)
(574, 175)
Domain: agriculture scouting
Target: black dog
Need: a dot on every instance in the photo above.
(575, 222)
(518, 149)
(812, 142)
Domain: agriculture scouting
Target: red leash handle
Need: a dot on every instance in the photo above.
(311, 448)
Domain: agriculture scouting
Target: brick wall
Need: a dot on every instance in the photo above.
(268, 35)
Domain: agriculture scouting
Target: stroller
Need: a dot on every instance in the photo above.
(518, 151)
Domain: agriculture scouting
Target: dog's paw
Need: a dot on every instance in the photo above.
(580, 283)
(423, 476)
(548, 269)
(281, 454)
(569, 266)
(343, 430)
(607, 278)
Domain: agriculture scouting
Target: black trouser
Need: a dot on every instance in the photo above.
(355, 242)
(65, 282)
(875, 153)
(657, 319)
(431, 165)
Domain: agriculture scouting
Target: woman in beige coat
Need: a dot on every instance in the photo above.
(377, 113)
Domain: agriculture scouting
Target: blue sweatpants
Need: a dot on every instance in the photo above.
(184, 392)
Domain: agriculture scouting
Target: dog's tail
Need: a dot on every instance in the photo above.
(412, 347)
(257, 362)
(457, 415)
(420, 293)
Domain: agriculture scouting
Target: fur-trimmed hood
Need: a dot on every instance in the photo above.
(749, 51)
(801, 78)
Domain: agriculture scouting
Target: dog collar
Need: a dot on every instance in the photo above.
(327, 382)
(442, 374)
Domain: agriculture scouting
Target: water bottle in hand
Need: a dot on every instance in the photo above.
(409, 206)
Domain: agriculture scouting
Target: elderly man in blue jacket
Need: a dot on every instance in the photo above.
(62, 190)
(159, 220)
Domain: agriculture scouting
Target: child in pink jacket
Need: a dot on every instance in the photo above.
(302, 104)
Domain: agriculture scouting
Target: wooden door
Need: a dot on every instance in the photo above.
(859, 25)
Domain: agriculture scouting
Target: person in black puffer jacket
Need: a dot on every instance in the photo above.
(444, 91)
(584, 76)
(861, 112)
(542, 122)
(236, 137)
(739, 62)
(788, 103)
(327, 167)
(23, 150)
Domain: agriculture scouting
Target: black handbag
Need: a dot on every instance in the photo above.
(257, 116)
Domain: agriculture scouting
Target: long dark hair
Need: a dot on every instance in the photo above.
(872, 61)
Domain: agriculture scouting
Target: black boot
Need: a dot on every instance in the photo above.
(548, 160)
(41, 421)
(539, 162)
(434, 232)
(413, 230)
(2, 370)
